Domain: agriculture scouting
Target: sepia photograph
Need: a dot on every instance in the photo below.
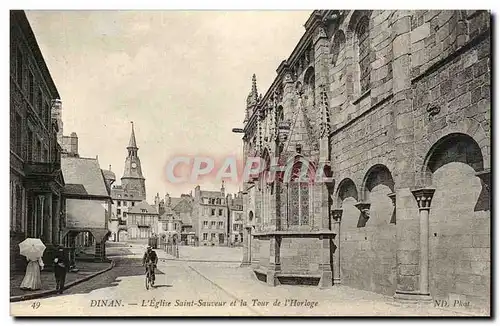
(257, 163)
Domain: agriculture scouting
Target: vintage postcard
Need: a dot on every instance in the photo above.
(250, 163)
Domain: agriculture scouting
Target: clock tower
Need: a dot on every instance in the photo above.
(133, 181)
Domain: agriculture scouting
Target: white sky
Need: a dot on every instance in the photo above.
(182, 77)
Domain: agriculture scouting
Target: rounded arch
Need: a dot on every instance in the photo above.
(376, 175)
(309, 76)
(346, 189)
(356, 17)
(454, 147)
(338, 44)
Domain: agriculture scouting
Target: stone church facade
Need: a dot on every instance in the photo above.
(394, 106)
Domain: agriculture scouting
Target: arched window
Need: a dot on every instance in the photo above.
(338, 46)
(362, 53)
(310, 84)
(300, 206)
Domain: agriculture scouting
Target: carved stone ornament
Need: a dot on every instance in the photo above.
(423, 197)
(433, 110)
(337, 214)
(364, 208)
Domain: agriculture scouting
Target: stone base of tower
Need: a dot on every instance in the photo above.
(292, 258)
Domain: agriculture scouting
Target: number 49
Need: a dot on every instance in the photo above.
(35, 305)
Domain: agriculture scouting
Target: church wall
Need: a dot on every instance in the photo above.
(424, 76)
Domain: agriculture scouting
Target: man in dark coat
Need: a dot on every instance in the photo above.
(61, 267)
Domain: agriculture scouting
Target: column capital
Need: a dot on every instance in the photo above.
(485, 176)
(364, 208)
(337, 214)
(392, 196)
(41, 198)
(423, 196)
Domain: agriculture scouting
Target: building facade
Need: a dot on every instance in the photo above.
(393, 107)
(87, 204)
(235, 225)
(130, 192)
(35, 156)
(210, 217)
(175, 216)
(142, 221)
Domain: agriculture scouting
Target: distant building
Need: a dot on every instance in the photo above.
(235, 225)
(35, 168)
(210, 217)
(175, 217)
(142, 221)
(131, 191)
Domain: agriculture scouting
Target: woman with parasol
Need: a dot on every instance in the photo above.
(33, 250)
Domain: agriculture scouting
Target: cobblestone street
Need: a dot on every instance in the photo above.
(199, 288)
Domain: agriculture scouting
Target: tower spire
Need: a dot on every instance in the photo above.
(254, 87)
(132, 143)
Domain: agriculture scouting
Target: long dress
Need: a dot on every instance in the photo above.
(32, 280)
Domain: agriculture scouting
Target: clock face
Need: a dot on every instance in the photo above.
(134, 165)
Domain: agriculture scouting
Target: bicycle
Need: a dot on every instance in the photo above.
(149, 279)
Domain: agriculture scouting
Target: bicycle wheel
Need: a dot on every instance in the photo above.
(147, 281)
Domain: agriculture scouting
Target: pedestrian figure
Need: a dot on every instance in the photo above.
(61, 266)
(32, 280)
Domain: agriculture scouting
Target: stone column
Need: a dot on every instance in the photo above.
(40, 217)
(274, 260)
(56, 213)
(246, 247)
(424, 198)
(47, 229)
(337, 217)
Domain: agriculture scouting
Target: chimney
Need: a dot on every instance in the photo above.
(167, 199)
(73, 144)
(197, 192)
(56, 113)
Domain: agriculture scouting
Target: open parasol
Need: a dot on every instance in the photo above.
(32, 248)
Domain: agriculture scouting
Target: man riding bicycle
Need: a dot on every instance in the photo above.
(150, 259)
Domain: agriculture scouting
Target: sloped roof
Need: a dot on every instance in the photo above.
(209, 193)
(186, 219)
(169, 214)
(75, 189)
(181, 203)
(174, 201)
(84, 176)
(109, 174)
(137, 209)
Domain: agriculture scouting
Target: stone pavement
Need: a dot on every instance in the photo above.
(206, 254)
(335, 301)
(85, 269)
(189, 288)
